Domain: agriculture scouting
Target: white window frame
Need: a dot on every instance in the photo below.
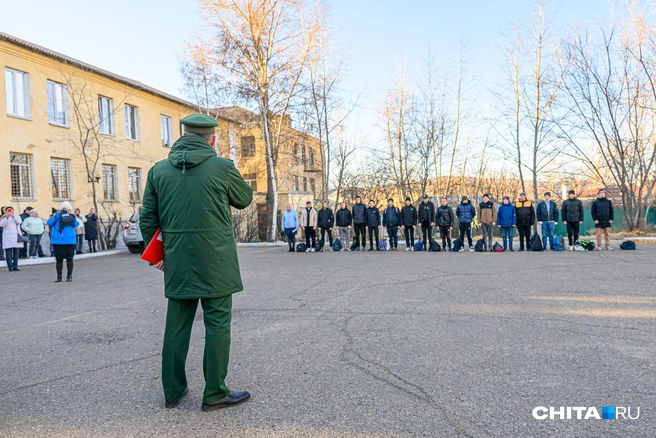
(131, 115)
(26, 94)
(166, 130)
(52, 87)
(114, 182)
(137, 198)
(106, 118)
(30, 176)
(57, 196)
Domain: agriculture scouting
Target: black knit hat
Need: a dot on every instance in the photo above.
(571, 192)
(407, 198)
(464, 198)
(486, 195)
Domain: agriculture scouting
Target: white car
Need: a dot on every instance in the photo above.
(130, 234)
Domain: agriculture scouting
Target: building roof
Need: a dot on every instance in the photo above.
(235, 114)
(93, 69)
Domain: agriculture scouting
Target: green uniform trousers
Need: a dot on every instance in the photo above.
(179, 320)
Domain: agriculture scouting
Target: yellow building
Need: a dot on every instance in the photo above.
(70, 130)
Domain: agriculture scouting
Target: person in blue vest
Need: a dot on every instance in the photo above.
(289, 226)
(392, 220)
(506, 220)
(547, 216)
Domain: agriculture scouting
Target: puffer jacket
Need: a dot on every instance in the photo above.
(602, 211)
(572, 210)
(326, 218)
(542, 215)
(465, 213)
(506, 215)
(373, 217)
(392, 217)
(359, 213)
(525, 213)
(487, 212)
(344, 218)
(79, 230)
(445, 216)
(33, 226)
(408, 216)
(64, 236)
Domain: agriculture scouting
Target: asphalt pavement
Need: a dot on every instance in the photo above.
(371, 344)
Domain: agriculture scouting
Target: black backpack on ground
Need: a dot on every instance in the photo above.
(319, 246)
(587, 245)
(629, 245)
(457, 245)
(434, 246)
(536, 243)
(301, 247)
(353, 246)
(480, 244)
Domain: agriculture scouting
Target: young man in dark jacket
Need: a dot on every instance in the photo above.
(466, 214)
(373, 224)
(487, 218)
(326, 220)
(359, 224)
(392, 220)
(408, 222)
(572, 214)
(547, 216)
(426, 213)
(444, 219)
(343, 220)
(525, 220)
(603, 215)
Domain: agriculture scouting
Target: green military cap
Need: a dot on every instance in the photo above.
(199, 124)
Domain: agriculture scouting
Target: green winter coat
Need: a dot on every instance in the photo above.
(189, 196)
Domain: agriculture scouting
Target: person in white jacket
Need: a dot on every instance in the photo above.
(79, 230)
(10, 224)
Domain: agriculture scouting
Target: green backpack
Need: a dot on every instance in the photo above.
(587, 245)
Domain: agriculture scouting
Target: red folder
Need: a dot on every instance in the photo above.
(154, 252)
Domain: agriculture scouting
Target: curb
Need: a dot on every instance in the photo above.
(48, 260)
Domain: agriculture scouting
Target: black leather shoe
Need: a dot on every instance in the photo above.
(69, 278)
(59, 279)
(233, 399)
(174, 403)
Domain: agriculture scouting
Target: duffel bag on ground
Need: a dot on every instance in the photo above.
(419, 245)
(629, 245)
(434, 246)
(301, 247)
(337, 245)
(497, 247)
(536, 243)
(558, 243)
(587, 245)
(457, 245)
(480, 245)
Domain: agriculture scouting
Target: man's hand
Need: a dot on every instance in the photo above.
(314, 228)
(494, 223)
(160, 266)
(432, 224)
(565, 222)
(450, 228)
(581, 222)
(596, 222)
(610, 222)
(539, 223)
(555, 223)
(402, 227)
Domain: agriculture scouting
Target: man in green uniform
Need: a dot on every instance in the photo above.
(188, 196)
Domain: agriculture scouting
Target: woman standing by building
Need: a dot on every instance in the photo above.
(63, 239)
(10, 225)
(79, 231)
(91, 229)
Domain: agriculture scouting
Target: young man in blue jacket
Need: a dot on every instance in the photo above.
(466, 214)
(506, 220)
(372, 224)
(547, 215)
(392, 220)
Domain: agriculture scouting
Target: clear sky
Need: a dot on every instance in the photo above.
(143, 39)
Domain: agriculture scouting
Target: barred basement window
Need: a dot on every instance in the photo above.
(109, 182)
(134, 184)
(20, 168)
(60, 174)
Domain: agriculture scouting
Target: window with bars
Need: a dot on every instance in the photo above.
(166, 127)
(57, 103)
(106, 115)
(60, 175)
(305, 188)
(134, 184)
(17, 93)
(312, 185)
(109, 182)
(131, 122)
(247, 146)
(20, 169)
(251, 178)
(296, 187)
